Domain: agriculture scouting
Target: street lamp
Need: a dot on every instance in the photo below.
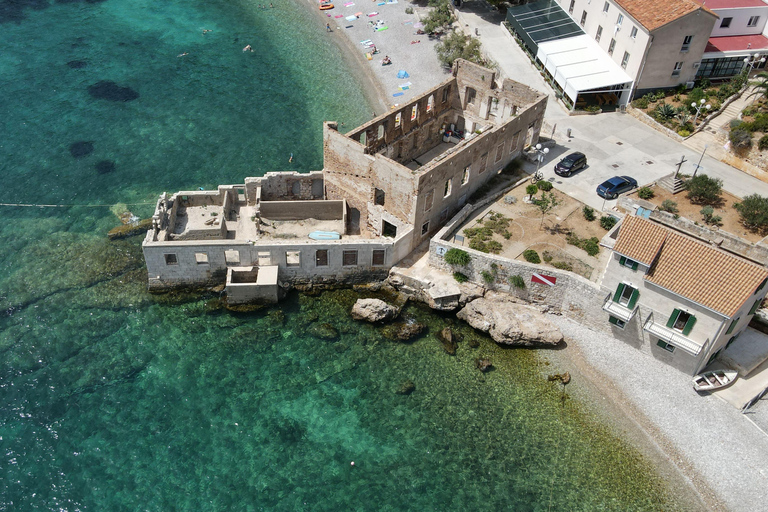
(698, 108)
(540, 153)
(752, 61)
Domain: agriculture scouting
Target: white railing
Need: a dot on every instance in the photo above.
(672, 336)
(621, 312)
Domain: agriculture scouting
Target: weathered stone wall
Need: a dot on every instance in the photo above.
(284, 186)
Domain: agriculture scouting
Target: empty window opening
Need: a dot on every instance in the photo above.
(430, 103)
(201, 258)
(171, 259)
(425, 228)
(363, 139)
(349, 258)
(726, 22)
(388, 230)
(232, 257)
(378, 196)
(626, 295)
(292, 258)
(465, 175)
(296, 188)
(447, 189)
(264, 259)
(321, 258)
(380, 132)
(445, 94)
(471, 95)
(377, 258)
(428, 200)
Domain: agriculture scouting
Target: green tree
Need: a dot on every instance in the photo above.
(546, 204)
(440, 16)
(760, 86)
(458, 46)
(704, 190)
(753, 211)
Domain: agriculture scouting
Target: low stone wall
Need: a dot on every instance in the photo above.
(299, 210)
(646, 119)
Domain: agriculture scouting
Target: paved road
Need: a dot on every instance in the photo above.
(615, 143)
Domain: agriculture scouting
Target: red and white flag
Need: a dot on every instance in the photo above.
(542, 279)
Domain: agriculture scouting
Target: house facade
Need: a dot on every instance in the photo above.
(682, 300)
(386, 186)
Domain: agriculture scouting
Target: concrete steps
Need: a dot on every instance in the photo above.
(671, 183)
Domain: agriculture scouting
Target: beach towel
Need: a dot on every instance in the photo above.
(372, 14)
(402, 74)
(379, 29)
(368, 56)
(358, 14)
(391, 1)
(349, 4)
(351, 18)
(365, 42)
(404, 87)
(398, 94)
(339, 16)
(380, 3)
(407, 22)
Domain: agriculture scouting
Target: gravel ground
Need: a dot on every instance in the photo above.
(718, 449)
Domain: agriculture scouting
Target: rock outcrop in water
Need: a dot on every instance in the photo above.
(373, 310)
(81, 148)
(403, 331)
(449, 340)
(110, 91)
(510, 323)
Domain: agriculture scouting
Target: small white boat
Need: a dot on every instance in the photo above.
(716, 379)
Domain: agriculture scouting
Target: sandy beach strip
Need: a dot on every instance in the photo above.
(353, 26)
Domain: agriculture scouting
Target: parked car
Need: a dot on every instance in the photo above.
(571, 164)
(611, 188)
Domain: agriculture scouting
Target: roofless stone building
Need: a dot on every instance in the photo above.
(386, 186)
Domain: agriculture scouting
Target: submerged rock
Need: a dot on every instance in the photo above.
(373, 310)
(406, 388)
(81, 148)
(403, 331)
(110, 91)
(126, 230)
(323, 331)
(510, 323)
(105, 166)
(449, 340)
(565, 378)
(483, 364)
(77, 64)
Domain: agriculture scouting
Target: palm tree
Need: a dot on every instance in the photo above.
(760, 87)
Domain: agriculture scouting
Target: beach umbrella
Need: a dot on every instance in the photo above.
(418, 24)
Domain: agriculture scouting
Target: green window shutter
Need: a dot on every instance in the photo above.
(633, 299)
(733, 325)
(634, 265)
(762, 285)
(613, 320)
(617, 295)
(754, 307)
(622, 260)
(689, 325)
(673, 317)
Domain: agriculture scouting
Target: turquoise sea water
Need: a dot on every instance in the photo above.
(114, 399)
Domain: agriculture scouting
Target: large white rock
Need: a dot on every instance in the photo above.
(373, 310)
(510, 323)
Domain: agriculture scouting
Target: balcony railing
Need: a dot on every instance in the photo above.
(617, 310)
(673, 336)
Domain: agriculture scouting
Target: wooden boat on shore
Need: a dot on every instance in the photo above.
(716, 379)
(325, 6)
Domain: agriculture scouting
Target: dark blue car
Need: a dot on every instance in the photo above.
(611, 188)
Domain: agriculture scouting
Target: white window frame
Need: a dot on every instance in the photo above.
(633, 33)
(620, 20)
(606, 6)
(611, 46)
(753, 20)
(625, 60)
(599, 33)
(678, 68)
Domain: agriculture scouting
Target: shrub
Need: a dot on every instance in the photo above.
(517, 281)
(740, 138)
(668, 205)
(592, 245)
(478, 245)
(645, 193)
(709, 216)
(753, 211)
(763, 143)
(563, 265)
(695, 95)
(409, 10)
(531, 189)
(494, 247)
(641, 103)
(683, 132)
(531, 256)
(456, 257)
(607, 222)
(589, 213)
(461, 278)
(704, 190)
(544, 185)
(735, 123)
(488, 277)
(759, 124)
(547, 256)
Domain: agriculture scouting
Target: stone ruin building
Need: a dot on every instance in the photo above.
(385, 188)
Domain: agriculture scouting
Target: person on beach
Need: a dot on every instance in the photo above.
(328, 27)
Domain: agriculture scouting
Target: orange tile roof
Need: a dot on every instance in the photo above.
(653, 14)
(640, 240)
(699, 272)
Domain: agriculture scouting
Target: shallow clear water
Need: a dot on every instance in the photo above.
(113, 399)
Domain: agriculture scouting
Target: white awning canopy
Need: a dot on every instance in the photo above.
(579, 65)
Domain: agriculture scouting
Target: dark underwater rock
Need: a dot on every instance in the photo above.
(473, 343)
(77, 64)
(406, 388)
(126, 230)
(403, 331)
(483, 364)
(449, 340)
(110, 91)
(81, 148)
(105, 166)
(324, 331)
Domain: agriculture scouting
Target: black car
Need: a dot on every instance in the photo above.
(571, 164)
(611, 188)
